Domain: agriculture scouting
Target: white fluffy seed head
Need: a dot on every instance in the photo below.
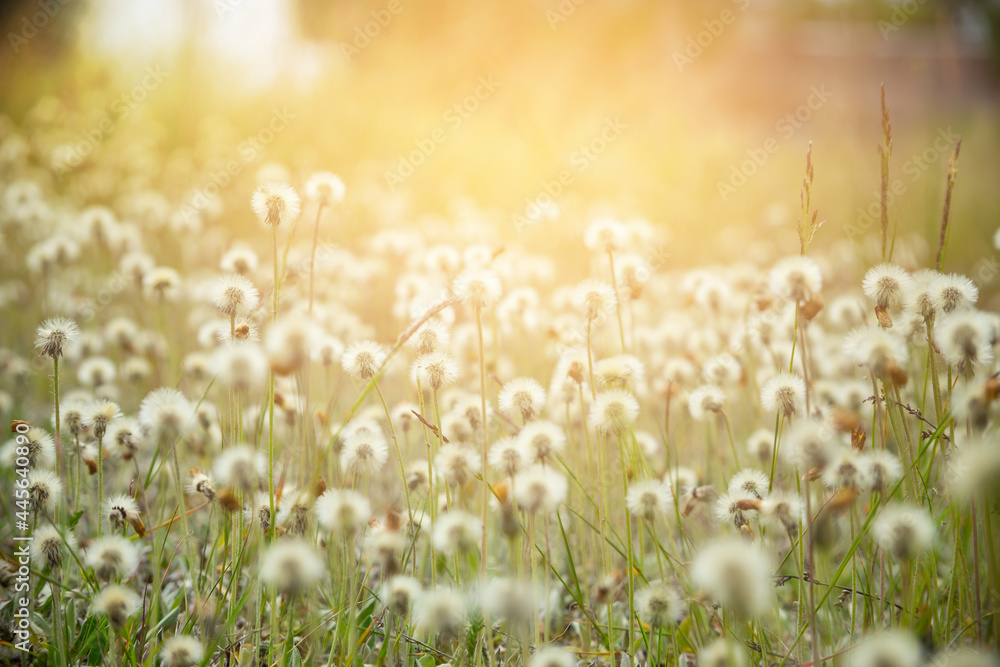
(56, 334)
(480, 288)
(165, 413)
(705, 400)
(735, 573)
(614, 411)
(440, 611)
(181, 651)
(342, 511)
(457, 533)
(966, 339)
(541, 441)
(595, 298)
(117, 603)
(522, 398)
(797, 278)
(234, 295)
(659, 604)
(648, 499)
(276, 204)
(456, 464)
(903, 531)
(605, 235)
(112, 557)
(240, 466)
(508, 457)
(399, 594)
(325, 188)
(784, 393)
(886, 649)
(363, 359)
(886, 285)
(364, 453)
(291, 565)
(951, 292)
(540, 489)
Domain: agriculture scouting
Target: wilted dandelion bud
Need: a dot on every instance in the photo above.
(659, 604)
(276, 204)
(234, 295)
(540, 489)
(722, 653)
(47, 547)
(785, 394)
(521, 397)
(435, 370)
(614, 411)
(440, 611)
(457, 532)
(797, 278)
(479, 288)
(736, 573)
(541, 441)
(325, 188)
(886, 285)
(953, 292)
(966, 339)
(648, 498)
(595, 298)
(363, 359)
(399, 594)
(903, 531)
(112, 557)
(181, 651)
(291, 565)
(44, 491)
(704, 400)
(117, 603)
(552, 656)
(342, 511)
(120, 511)
(887, 649)
(54, 335)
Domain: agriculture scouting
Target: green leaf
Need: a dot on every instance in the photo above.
(74, 519)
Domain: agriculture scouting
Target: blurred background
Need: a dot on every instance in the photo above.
(696, 115)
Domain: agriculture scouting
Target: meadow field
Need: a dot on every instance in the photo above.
(500, 335)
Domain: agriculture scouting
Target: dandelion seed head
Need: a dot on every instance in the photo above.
(784, 393)
(966, 339)
(181, 651)
(363, 359)
(47, 547)
(457, 532)
(614, 411)
(456, 464)
(44, 490)
(886, 649)
(648, 499)
(431, 336)
(846, 469)
(952, 292)
(540, 489)
(886, 285)
(240, 466)
(659, 604)
(541, 441)
(276, 204)
(399, 594)
(735, 573)
(325, 188)
(722, 653)
(342, 511)
(119, 511)
(705, 399)
(291, 565)
(364, 453)
(552, 656)
(435, 370)
(903, 531)
(440, 611)
(112, 557)
(595, 298)
(521, 398)
(117, 603)
(882, 351)
(55, 334)
(166, 414)
(480, 288)
(605, 235)
(234, 295)
(797, 278)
